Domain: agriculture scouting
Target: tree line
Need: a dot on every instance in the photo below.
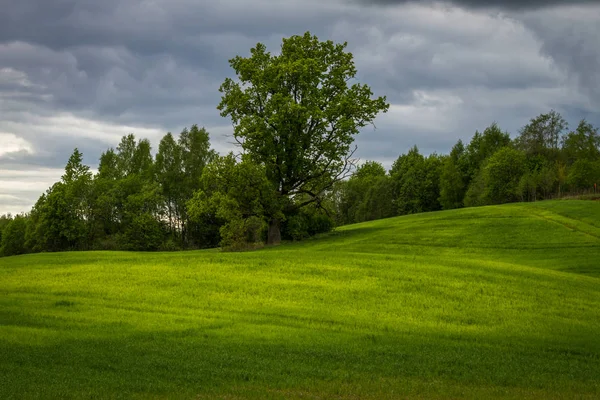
(545, 160)
(187, 196)
(294, 116)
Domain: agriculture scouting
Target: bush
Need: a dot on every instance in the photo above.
(110, 242)
(305, 224)
(169, 245)
(243, 233)
(320, 223)
(296, 227)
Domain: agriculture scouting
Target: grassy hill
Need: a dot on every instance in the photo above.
(499, 301)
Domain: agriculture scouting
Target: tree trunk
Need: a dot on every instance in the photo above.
(559, 190)
(274, 236)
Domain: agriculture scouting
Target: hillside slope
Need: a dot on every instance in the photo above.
(560, 235)
(499, 302)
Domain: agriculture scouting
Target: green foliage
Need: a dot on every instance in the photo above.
(75, 170)
(143, 229)
(295, 113)
(528, 186)
(242, 233)
(170, 176)
(113, 242)
(234, 196)
(454, 178)
(476, 193)
(583, 174)
(483, 146)
(542, 135)
(5, 219)
(296, 227)
(170, 245)
(367, 195)
(583, 143)
(431, 183)
(368, 170)
(538, 182)
(60, 218)
(378, 200)
(144, 232)
(307, 222)
(502, 174)
(452, 186)
(548, 179)
(416, 182)
(134, 158)
(195, 155)
(407, 173)
(471, 167)
(13, 236)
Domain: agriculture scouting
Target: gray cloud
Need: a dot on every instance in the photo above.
(572, 43)
(83, 73)
(487, 4)
(567, 29)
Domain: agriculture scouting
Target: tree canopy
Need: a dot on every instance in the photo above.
(296, 114)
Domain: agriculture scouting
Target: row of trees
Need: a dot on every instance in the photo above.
(544, 161)
(135, 201)
(187, 196)
(294, 115)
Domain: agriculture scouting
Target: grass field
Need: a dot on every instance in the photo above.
(491, 302)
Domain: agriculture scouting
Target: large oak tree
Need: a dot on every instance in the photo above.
(296, 113)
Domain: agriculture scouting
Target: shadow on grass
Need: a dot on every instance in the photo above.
(192, 362)
(336, 236)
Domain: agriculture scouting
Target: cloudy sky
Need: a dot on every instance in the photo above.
(83, 73)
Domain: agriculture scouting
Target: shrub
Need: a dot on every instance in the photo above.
(169, 245)
(296, 227)
(306, 224)
(242, 233)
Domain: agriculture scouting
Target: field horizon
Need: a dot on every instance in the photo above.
(486, 302)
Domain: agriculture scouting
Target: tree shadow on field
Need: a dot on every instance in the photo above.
(215, 360)
(349, 234)
(325, 240)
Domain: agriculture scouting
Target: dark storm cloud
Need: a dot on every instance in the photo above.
(148, 27)
(82, 73)
(483, 4)
(111, 81)
(140, 61)
(572, 42)
(124, 60)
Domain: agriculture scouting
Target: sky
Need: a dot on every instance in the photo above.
(83, 73)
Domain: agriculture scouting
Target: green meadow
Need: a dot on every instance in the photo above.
(489, 302)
